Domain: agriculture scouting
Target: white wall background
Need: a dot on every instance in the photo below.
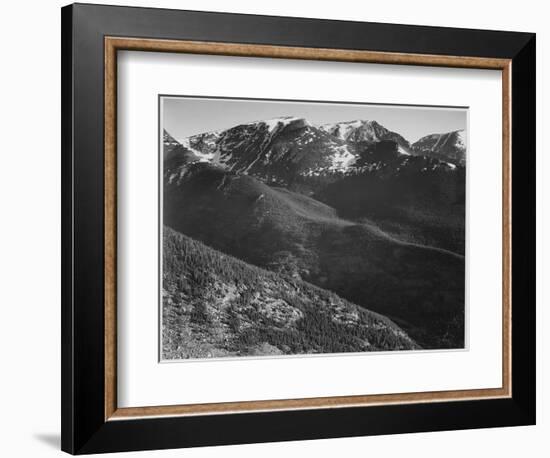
(30, 227)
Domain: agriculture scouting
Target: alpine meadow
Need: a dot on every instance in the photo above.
(296, 228)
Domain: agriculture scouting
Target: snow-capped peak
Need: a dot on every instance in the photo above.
(283, 121)
(363, 129)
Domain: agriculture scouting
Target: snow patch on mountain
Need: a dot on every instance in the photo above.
(365, 131)
(341, 159)
(343, 130)
(167, 139)
(402, 151)
(277, 123)
(202, 157)
(284, 147)
(448, 147)
(461, 138)
(451, 166)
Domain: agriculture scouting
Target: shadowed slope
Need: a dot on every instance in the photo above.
(420, 287)
(215, 305)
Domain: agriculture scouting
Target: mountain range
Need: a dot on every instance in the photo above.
(351, 209)
(287, 148)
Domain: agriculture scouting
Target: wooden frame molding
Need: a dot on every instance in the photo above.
(111, 46)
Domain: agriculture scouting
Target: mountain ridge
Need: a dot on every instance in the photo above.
(365, 131)
(284, 149)
(449, 146)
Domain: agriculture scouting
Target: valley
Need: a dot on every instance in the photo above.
(351, 209)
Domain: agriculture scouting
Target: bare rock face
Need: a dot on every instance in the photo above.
(363, 131)
(450, 146)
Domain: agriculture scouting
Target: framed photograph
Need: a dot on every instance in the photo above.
(281, 229)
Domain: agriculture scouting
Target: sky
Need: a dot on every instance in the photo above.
(186, 116)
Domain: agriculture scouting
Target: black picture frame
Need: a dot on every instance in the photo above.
(84, 428)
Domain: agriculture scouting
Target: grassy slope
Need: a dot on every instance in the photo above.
(215, 305)
(420, 287)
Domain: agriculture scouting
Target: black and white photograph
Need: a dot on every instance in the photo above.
(295, 228)
(266, 229)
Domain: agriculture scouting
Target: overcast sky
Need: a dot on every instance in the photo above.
(184, 116)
